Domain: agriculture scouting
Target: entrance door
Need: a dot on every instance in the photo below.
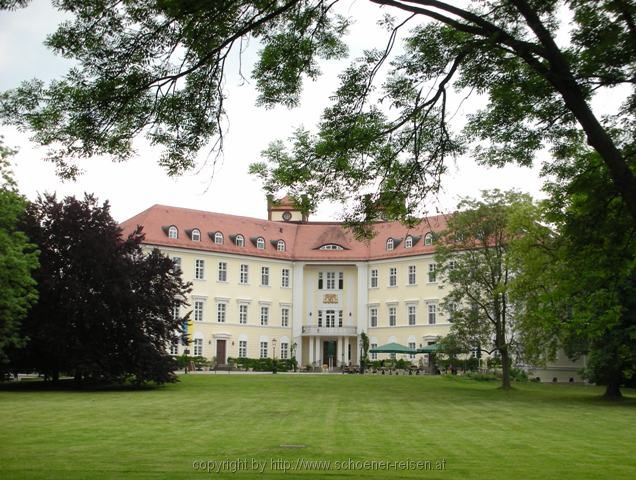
(330, 351)
(220, 352)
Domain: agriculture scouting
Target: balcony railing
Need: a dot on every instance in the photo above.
(329, 331)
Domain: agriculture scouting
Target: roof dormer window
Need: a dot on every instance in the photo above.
(280, 245)
(239, 241)
(408, 243)
(428, 239)
(390, 244)
(331, 246)
(173, 232)
(196, 235)
(218, 238)
(260, 243)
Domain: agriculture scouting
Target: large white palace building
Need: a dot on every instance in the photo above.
(267, 288)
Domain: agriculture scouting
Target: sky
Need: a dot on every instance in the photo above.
(133, 186)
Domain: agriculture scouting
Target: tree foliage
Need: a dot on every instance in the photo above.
(579, 281)
(474, 259)
(105, 309)
(158, 66)
(18, 259)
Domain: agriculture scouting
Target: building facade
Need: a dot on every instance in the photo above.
(287, 286)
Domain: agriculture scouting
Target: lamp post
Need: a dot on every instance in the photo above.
(274, 356)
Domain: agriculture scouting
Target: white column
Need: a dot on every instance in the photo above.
(317, 352)
(346, 350)
(297, 308)
(311, 350)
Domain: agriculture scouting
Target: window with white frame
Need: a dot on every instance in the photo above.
(198, 347)
(412, 347)
(284, 316)
(221, 310)
(265, 276)
(284, 278)
(176, 312)
(451, 308)
(320, 281)
(243, 313)
(264, 314)
(320, 318)
(412, 276)
(284, 350)
(222, 271)
(392, 276)
(340, 280)
(174, 348)
(432, 273)
(392, 316)
(373, 316)
(374, 356)
(408, 243)
(330, 318)
(199, 269)
(239, 241)
(242, 351)
(340, 318)
(173, 232)
(218, 238)
(198, 310)
(331, 246)
(244, 274)
(196, 235)
(390, 244)
(263, 350)
(432, 314)
(177, 264)
(374, 278)
(331, 280)
(428, 239)
(412, 314)
(260, 243)
(280, 245)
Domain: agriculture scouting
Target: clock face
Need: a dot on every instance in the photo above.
(287, 216)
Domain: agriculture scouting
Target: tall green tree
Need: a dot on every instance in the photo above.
(157, 67)
(18, 259)
(105, 309)
(579, 276)
(474, 260)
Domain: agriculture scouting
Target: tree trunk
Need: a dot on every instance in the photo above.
(613, 390)
(505, 369)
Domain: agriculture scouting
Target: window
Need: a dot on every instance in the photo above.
(340, 280)
(198, 347)
(198, 311)
(174, 348)
(284, 317)
(284, 350)
(265, 276)
(177, 264)
(264, 315)
(412, 277)
(408, 243)
(320, 318)
(330, 318)
(239, 241)
(173, 232)
(242, 353)
(428, 239)
(374, 278)
(222, 272)
(340, 318)
(280, 245)
(451, 308)
(199, 269)
(284, 278)
(243, 314)
(331, 280)
(331, 246)
(244, 274)
(412, 347)
(432, 314)
(175, 312)
(392, 316)
(263, 349)
(218, 238)
(374, 356)
(320, 281)
(196, 235)
(390, 244)
(452, 264)
(392, 276)
(221, 309)
(373, 316)
(432, 274)
(412, 314)
(260, 243)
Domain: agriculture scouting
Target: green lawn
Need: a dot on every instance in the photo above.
(470, 428)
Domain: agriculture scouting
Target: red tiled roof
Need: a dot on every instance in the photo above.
(302, 240)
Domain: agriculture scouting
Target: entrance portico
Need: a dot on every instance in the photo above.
(330, 347)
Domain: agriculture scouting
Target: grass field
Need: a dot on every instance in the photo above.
(465, 429)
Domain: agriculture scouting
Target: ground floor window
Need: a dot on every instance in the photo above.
(174, 349)
(242, 348)
(263, 349)
(374, 356)
(198, 347)
(412, 347)
(284, 350)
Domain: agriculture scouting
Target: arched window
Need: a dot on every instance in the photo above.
(280, 245)
(408, 243)
(331, 246)
(173, 232)
(218, 238)
(428, 239)
(196, 235)
(260, 243)
(239, 241)
(390, 244)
